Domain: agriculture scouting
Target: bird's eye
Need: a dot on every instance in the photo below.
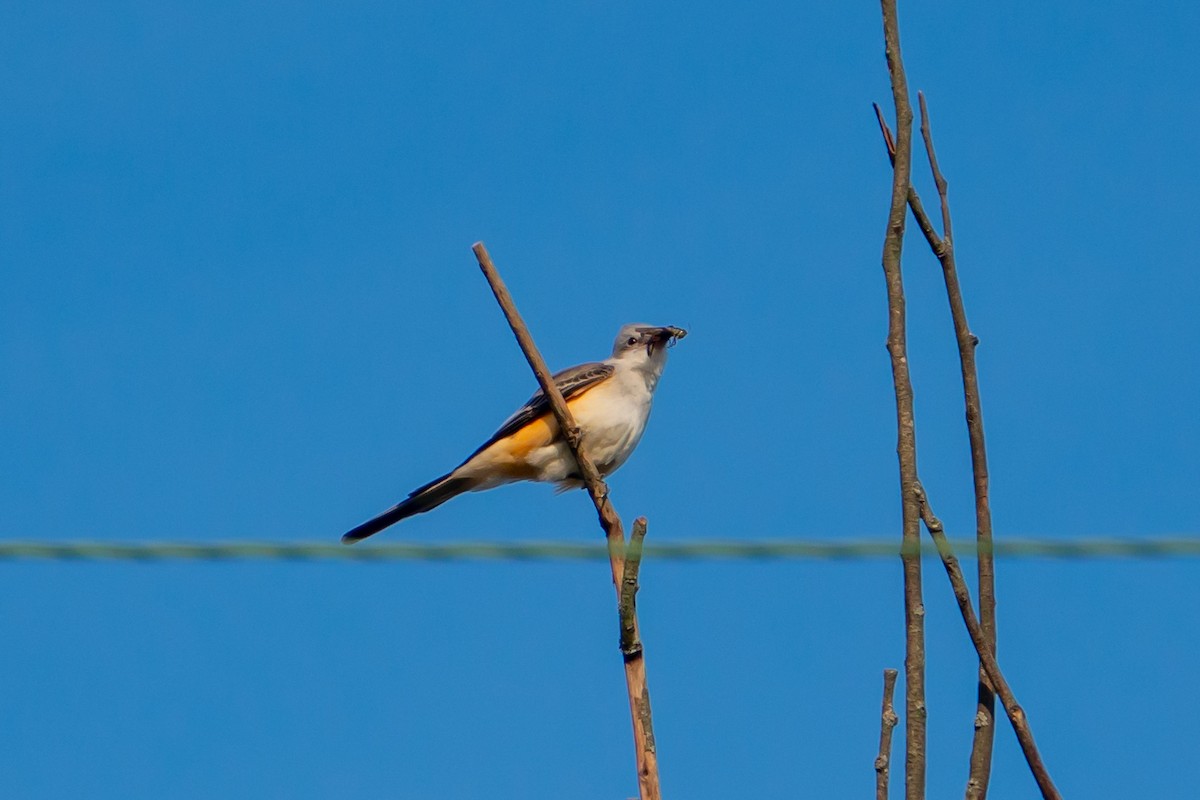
(631, 341)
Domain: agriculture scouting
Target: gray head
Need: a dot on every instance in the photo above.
(639, 340)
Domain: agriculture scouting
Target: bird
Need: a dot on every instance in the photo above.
(610, 401)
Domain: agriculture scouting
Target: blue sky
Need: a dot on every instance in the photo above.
(238, 301)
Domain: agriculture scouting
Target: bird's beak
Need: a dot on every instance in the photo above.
(665, 335)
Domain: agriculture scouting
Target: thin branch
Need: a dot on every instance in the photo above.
(631, 645)
(938, 180)
(906, 444)
(635, 666)
(985, 710)
(887, 722)
(962, 594)
(943, 248)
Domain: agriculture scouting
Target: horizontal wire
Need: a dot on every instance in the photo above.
(707, 550)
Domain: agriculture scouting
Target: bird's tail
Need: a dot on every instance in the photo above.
(429, 496)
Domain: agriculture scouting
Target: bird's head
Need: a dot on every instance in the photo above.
(646, 344)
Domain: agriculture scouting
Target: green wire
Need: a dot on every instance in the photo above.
(707, 550)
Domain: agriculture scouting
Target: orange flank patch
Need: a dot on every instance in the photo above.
(538, 433)
(510, 455)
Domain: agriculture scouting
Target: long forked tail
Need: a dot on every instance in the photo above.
(429, 496)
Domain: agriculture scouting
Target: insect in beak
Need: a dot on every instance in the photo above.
(657, 336)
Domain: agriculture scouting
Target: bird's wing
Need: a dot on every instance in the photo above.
(571, 382)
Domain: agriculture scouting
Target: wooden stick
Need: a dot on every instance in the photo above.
(635, 666)
(887, 722)
(962, 594)
(906, 444)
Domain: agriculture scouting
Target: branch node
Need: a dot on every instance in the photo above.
(574, 435)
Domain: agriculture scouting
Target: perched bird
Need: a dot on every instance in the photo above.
(610, 401)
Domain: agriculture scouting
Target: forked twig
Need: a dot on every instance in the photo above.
(914, 201)
(635, 665)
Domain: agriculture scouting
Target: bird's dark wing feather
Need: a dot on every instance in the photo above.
(571, 382)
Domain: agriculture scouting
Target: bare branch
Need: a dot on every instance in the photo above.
(985, 708)
(938, 180)
(962, 594)
(985, 711)
(630, 644)
(887, 722)
(906, 444)
(635, 665)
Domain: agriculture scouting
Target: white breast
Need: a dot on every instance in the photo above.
(612, 417)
